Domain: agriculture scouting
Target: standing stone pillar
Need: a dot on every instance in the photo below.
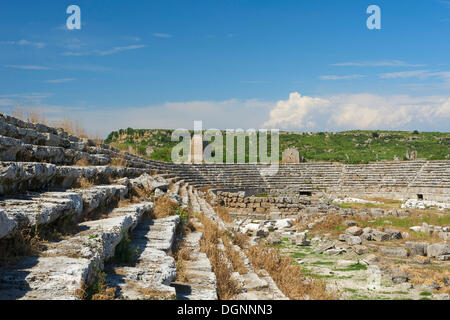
(291, 155)
(197, 144)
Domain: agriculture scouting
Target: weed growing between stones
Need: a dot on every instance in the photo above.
(226, 287)
(25, 243)
(83, 183)
(329, 224)
(31, 241)
(287, 275)
(434, 276)
(82, 162)
(97, 289)
(181, 253)
(183, 213)
(233, 255)
(181, 257)
(125, 252)
(164, 207)
(118, 162)
(223, 213)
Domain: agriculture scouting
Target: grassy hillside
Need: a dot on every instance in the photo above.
(347, 147)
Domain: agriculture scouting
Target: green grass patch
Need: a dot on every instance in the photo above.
(348, 147)
(125, 252)
(353, 267)
(325, 263)
(298, 255)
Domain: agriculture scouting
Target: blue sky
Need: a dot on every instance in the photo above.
(295, 65)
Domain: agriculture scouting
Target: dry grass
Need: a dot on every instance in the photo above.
(83, 183)
(181, 257)
(234, 255)
(18, 112)
(32, 241)
(428, 275)
(164, 207)
(28, 114)
(224, 214)
(97, 290)
(25, 243)
(328, 225)
(118, 162)
(72, 127)
(242, 240)
(226, 287)
(83, 162)
(287, 276)
(154, 294)
(107, 294)
(35, 116)
(127, 202)
(139, 193)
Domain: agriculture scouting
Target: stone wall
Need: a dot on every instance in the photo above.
(265, 205)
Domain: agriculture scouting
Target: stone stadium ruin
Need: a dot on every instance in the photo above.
(50, 179)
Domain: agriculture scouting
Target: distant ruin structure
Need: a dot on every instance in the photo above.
(411, 155)
(291, 155)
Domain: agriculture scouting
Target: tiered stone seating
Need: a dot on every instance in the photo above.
(432, 174)
(399, 179)
(63, 270)
(41, 186)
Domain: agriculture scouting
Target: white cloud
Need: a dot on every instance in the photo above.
(361, 111)
(296, 111)
(24, 42)
(444, 109)
(28, 67)
(134, 39)
(73, 44)
(120, 49)
(60, 80)
(232, 113)
(446, 3)
(347, 77)
(254, 81)
(162, 35)
(105, 52)
(404, 74)
(386, 63)
(416, 74)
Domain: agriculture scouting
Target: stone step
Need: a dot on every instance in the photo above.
(61, 271)
(38, 209)
(254, 287)
(201, 283)
(15, 150)
(40, 128)
(154, 270)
